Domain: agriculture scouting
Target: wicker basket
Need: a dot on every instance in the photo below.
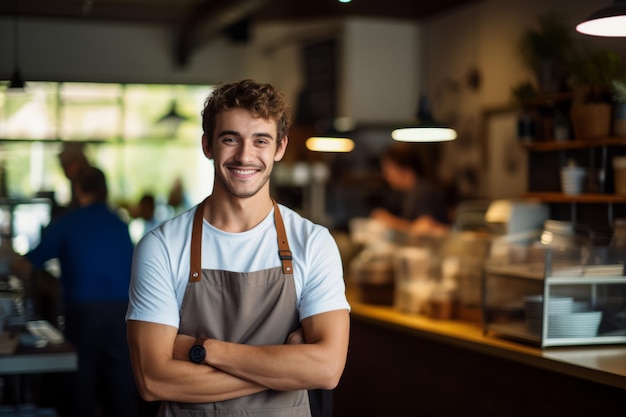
(591, 120)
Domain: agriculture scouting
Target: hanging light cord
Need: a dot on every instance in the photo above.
(16, 35)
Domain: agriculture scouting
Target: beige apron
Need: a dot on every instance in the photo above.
(253, 308)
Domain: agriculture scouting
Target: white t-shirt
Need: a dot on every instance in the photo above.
(160, 271)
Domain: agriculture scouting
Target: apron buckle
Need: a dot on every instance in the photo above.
(285, 255)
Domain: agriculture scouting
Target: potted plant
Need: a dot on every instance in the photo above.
(526, 123)
(546, 50)
(618, 95)
(591, 78)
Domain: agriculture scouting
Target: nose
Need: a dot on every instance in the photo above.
(245, 152)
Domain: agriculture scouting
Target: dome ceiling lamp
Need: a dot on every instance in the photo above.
(172, 116)
(609, 21)
(426, 130)
(329, 144)
(335, 138)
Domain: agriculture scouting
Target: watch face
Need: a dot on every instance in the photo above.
(197, 354)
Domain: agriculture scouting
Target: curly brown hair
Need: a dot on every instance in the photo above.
(261, 99)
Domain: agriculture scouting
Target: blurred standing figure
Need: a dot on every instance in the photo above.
(95, 253)
(423, 209)
(144, 218)
(73, 161)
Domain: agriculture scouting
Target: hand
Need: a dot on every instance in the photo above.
(382, 216)
(426, 225)
(296, 337)
(182, 346)
(21, 267)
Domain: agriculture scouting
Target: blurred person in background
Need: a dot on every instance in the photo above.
(144, 217)
(73, 161)
(422, 206)
(95, 251)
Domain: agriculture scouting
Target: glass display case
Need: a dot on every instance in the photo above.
(586, 295)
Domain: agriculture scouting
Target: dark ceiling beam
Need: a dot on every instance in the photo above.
(206, 20)
(129, 12)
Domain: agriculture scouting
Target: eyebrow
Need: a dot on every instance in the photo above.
(235, 133)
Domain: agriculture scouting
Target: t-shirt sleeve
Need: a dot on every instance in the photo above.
(152, 296)
(324, 287)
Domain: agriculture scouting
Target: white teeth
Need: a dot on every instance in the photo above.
(244, 171)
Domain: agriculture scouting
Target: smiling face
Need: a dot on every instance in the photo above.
(244, 149)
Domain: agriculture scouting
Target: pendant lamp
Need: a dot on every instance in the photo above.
(334, 138)
(16, 85)
(609, 21)
(172, 116)
(426, 130)
(329, 144)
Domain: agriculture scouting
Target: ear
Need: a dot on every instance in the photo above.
(280, 151)
(206, 146)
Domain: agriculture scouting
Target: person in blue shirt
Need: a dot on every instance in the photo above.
(94, 250)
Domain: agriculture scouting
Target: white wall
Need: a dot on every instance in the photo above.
(380, 71)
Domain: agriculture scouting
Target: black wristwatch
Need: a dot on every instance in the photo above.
(197, 353)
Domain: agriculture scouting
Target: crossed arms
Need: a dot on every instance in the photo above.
(163, 370)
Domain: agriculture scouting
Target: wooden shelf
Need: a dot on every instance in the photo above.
(574, 144)
(549, 99)
(556, 197)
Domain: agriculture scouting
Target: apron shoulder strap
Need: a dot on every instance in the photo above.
(284, 253)
(195, 269)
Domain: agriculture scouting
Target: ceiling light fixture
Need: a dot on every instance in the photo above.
(426, 130)
(17, 84)
(172, 116)
(329, 144)
(335, 137)
(609, 21)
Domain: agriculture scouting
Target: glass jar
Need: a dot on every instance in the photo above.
(619, 234)
(568, 246)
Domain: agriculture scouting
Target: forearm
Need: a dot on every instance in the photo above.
(161, 377)
(279, 367)
(317, 363)
(188, 382)
(389, 220)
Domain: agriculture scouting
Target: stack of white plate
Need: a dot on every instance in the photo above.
(533, 307)
(583, 324)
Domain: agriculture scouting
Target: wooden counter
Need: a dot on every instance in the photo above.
(401, 364)
(29, 360)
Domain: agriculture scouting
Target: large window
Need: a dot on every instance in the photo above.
(124, 131)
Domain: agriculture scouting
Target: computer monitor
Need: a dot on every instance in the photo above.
(22, 222)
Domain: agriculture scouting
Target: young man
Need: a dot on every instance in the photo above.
(238, 306)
